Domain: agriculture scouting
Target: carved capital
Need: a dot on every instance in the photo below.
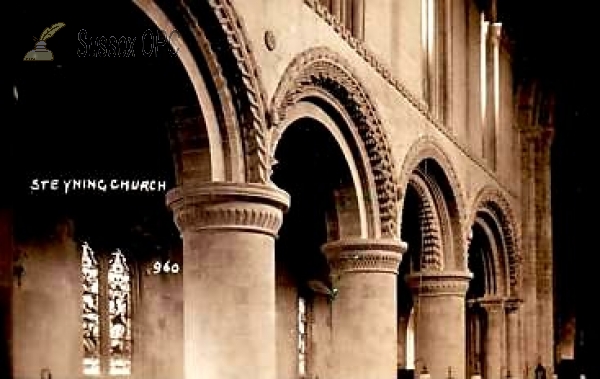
(218, 205)
(543, 134)
(512, 305)
(492, 303)
(365, 255)
(528, 132)
(547, 135)
(439, 283)
(496, 32)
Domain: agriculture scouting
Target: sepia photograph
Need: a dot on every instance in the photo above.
(298, 189)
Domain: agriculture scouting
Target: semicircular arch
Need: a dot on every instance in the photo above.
(490, 202)
(321, 76)
(428, 158)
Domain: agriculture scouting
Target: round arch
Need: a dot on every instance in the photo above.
(232, 100)
(483, 246)
(303, 110)
(492, 208)
(429, 170)
(319, 76)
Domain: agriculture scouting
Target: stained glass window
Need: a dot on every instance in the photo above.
(91, 315)
(106, 313)
(302, 336)
(119, 291)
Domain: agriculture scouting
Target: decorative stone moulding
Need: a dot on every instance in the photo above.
(235, 206)
(512, 304)
(323, 71)
(437, 283)
(365, 255)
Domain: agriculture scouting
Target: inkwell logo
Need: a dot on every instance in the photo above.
(40, 52)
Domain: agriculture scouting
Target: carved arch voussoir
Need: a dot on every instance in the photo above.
(494, 201)
(322, 70)
(426, 147)
(242, 76)
(431, 258)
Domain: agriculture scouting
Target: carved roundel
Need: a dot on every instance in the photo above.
(321, 70)
(493, 200)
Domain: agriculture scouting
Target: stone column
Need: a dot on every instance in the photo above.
(228, 232)
(359, 19)
(529, 283)
(544, 258)
(514, 345)
(440, 334)
(403, 321)
(364, 312)
(336, 9)
(47, 306)
(493, 100)
(494, 367)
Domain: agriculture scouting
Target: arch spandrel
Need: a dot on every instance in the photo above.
(493, 201)
(319, 70)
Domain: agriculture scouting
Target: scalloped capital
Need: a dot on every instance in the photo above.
(436, 283)
(225, 206)
(365, 255)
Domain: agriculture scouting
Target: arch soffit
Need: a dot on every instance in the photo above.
(429, 219)
(304, 109)
(493, 201)
(235, 76)
(496, 274)
(320, 70)
(207, 110)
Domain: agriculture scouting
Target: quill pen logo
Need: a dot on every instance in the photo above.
(40, 52)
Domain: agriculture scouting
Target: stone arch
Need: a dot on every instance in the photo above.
(442, 191)
(492, 204)
(234, 89)
(364, 203)
(429, 219)
(492, 266)
(320, 76)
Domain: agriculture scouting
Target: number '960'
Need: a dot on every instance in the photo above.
(165, 268)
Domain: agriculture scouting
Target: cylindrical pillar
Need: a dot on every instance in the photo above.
(544, 256)
(364, 311)
(358, 21)
(514, 346)
(228, 234)
(494, 367)
(336, 8)
(440, 334)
